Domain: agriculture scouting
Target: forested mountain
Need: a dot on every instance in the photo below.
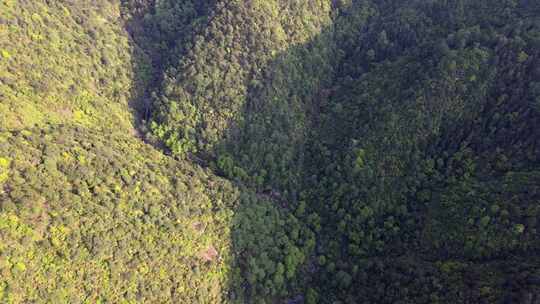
(270, 151)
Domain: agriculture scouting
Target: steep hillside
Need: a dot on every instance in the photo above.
(66, 62)
(351, 151)
(404, 135)
(88, 217)
(226, 58)
(426, 160)
(88, 213)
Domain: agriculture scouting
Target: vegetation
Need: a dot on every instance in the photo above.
(88, 217)
(351, 151)
(64, 62)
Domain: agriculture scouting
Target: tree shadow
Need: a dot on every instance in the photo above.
(148, 63)
(296, 134)
(282, 147)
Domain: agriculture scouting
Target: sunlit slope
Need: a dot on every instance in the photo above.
(87, 218)
(65, 62)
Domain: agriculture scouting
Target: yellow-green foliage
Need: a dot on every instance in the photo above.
(64, 61)
(4, 169)
(87, 217)
(5, 54)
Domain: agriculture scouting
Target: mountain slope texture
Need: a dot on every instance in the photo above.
(270, 151)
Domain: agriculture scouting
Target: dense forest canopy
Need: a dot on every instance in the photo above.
(270, 151)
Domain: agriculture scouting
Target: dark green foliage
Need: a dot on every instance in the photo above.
(396, 130)
(427, 138)
(274, 247)
(223, 71)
